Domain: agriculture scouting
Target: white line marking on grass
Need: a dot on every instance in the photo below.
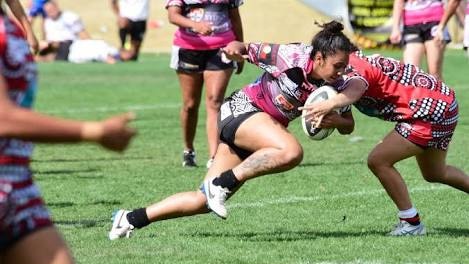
(359, 261)
(113, 109)
(301, 199)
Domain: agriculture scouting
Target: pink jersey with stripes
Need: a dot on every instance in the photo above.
(214, 11)
(284, 85)
(467, 8)
(422, 11)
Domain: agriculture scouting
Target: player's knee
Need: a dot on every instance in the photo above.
(292, 156)
(190, 106)
(197, 201)
(434, 176)
(374, 163)
(214, 102)
(200, 199)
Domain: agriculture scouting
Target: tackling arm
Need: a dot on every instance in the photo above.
(355, 88)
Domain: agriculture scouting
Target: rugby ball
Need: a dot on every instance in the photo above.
(322, 93)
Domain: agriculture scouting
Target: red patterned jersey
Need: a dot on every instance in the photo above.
(398, 91)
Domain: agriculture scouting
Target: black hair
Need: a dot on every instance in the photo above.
(331, 39)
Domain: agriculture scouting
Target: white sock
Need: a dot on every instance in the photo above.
(409, 213)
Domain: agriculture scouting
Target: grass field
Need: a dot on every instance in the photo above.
(330, 209)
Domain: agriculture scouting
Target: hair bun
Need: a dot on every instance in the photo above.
(333, 27)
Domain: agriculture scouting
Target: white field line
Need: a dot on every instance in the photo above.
(349, 262)
(302, 199)
(359, 261)
(113, 109)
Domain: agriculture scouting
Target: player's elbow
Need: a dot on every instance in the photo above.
(346, 130)
(347, 126)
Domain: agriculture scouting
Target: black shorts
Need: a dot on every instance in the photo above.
(420, 33)
(192, 61)
(233, 112)
(137, 30)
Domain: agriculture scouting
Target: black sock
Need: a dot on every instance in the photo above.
(227, 180)
(122, 36)
(138, 218)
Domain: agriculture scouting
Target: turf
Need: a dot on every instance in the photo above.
(330, 209)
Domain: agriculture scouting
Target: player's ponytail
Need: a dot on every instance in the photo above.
(331, 39)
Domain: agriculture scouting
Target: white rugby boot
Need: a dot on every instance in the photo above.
(403, 228)
(216, 198)
(120, 225)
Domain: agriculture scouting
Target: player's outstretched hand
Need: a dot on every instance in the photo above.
(116, 132)
(112, 133)
(235, 51)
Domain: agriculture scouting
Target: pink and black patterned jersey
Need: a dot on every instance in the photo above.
(422, 11)
(214, 11)
(284, 86)
(398, 91)
(18, 68)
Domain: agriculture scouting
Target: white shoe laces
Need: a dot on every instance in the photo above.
(223, 194)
